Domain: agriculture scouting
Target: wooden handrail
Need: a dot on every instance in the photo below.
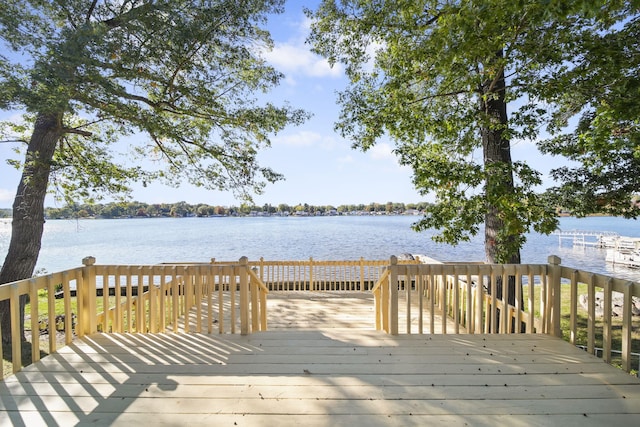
(379, 307)
(385, 276)
(316, 275)
(231, 297)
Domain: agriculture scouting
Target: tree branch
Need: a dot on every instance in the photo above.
(91, 9)
(118, 21)
(438, 95)
(77, 131)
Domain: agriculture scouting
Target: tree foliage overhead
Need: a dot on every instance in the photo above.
(603, 89)
(437, 77)
(180, 78)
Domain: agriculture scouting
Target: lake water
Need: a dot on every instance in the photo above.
(154, 240)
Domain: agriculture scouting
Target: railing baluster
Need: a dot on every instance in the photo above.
(232, 288)
(198, 297)
(140, 302)
(209, 297)
(494, 303)
(591, 309)
(223, 277)
(117, 308)
(432, 301)
(504, 312)
(68, 333)
(518, 301)
(627, 326)
(16, 335)
(531, 304)
(456, 303)
(420, 294)
(480, 309)
(255, 313)
(469, 302)
(573, 315)
(606, 322)
(51, 318)
(544, 312)
(443, 299)
(162, 300)
(244, 296)
(407, 285)
(35, 327)
(175, 294)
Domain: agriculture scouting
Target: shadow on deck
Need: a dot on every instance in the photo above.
(320, 363)
(322, 310)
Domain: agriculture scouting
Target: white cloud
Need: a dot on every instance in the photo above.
(346, 159)
(299, 139)
(294, 58)
(383, 151)
(307, 138)
(298, 59)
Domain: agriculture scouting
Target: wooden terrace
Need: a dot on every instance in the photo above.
(223, 345)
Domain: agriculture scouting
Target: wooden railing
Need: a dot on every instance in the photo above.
(313, 275)
(231, 297)
(626, 292)
(137, 299)
(545, 301)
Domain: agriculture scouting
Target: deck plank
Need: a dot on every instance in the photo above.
(322, 373)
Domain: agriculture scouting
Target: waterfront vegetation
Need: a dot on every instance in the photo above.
(183, 209)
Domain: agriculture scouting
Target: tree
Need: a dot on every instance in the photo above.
(283, 207)
(437, 77)
(605, 146)
(183, 73)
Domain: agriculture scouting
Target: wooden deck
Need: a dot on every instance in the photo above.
(319, 364)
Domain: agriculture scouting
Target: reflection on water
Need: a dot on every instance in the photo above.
(148, 241)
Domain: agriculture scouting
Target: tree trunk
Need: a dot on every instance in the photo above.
(28, 211)
(499, 181)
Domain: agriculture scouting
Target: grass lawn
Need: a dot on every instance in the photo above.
(43, 309)
(582, 323)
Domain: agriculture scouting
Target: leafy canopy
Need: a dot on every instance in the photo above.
(420, 73)
(179, 79)
(603, 90)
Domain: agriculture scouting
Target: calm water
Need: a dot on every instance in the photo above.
(147, 241)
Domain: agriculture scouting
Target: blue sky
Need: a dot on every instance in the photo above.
(320, 168)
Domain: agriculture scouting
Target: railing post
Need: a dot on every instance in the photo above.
(16, 335)
(377, 303)
(362, 288)
(554, 287)
(393, 296)
(312, 286)
(627, 326)
(254, 289)
(35, 337)
(244, 295)
(89, 325)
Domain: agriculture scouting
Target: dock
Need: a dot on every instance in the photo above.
(588, 238)
(621, 250)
